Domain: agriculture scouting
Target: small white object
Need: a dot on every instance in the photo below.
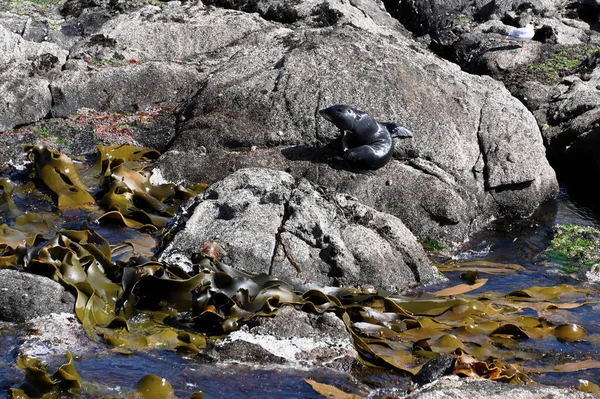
(521, 34)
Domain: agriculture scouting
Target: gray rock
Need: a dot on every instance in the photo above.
(467, 388)
(447, 21)
(258, 87)
(24, 296)
(574, 122)
(23, 101)
(26, 67)
(127, 88)
(268, 99)
(270, 223)
(54, 334)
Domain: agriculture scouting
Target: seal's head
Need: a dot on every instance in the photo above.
(342, 116)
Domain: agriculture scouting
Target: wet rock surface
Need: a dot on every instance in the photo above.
(454, 387)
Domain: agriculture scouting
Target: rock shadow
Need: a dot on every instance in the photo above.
(329, 155)
(504, 48)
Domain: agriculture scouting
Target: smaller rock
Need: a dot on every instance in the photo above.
(29, 295)
(54, 334)
(292, 337)
(434, 369)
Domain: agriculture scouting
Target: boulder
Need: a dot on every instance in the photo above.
(24, 296)
(252, 96)
(271, 223)
(259, 109)
(50, 336)
(27, 67)
(126, 88)
(549, 77)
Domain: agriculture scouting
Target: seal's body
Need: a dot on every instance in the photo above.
(366, 143)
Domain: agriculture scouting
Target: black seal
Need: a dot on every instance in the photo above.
(366, 143)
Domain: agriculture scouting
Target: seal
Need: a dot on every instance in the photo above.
(366, 143)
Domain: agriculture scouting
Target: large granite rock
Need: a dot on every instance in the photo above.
(271, 223)
(26, 69)
(477, 153)
(291, 337)
(555, 76)
(253, 93)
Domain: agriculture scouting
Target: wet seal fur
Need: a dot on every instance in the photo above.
(366, 143)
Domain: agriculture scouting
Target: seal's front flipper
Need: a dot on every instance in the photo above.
(397, 130)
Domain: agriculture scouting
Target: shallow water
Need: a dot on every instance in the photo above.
(521, 243)
(114, 375)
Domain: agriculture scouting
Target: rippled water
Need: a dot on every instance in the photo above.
(518, 242)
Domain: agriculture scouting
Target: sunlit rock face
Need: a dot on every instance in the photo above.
(249, 96)
(476, 154)
(271, 223)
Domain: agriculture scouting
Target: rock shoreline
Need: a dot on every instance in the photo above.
(229, 93)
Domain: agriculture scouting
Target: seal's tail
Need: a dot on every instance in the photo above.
(397, 130)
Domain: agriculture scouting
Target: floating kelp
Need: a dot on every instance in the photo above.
(480, 267)
(8, 208)
(329, 391)
(122, 187)
(38, 383)
(59, 174)
(152, 386)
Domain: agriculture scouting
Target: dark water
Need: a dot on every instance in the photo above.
(518, 242)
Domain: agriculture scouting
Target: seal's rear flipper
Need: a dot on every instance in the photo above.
(397, 130)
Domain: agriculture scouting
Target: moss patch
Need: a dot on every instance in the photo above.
(555, 62)
(575, 247)
(563, 61)
(432, 244)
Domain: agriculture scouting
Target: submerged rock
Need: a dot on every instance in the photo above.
(293, 338)
(271, 223)
(54, 334)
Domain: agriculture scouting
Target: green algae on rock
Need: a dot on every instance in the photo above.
(575, 247)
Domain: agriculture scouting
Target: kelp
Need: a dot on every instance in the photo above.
(480, 267)
(59, 174)
(330, 391)
(123, 194)
(38, 383)
(127, 299)
(152, 386)
(8, 208)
